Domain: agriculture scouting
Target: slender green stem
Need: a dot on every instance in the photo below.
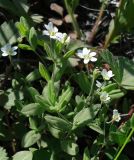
(74, 21)
(123, 146)
(92, 84)
(87, 69)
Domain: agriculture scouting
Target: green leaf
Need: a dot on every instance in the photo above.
(96, 128)
(83, 82)
(32, 109)
(58, 123)
(55, 132)
(128, 73)
(123, 69)
(69, 54)
(118, 137)
(64, 98)
(59, 69)
(33, 38)
(9, 97)
(23, 27)
(49, 92)
(48, 50)
(114, 63)
(86, 155)
(110, 87)
(25, 47)
(32, 123)
(32, 92)
(32, 76)
(30, 138)
(85, 116)
(3, 154)
(23, 155)
(122, 21)
(8, 33)
(69, 146)
(43, 71)
(45, 104)
(116, 94)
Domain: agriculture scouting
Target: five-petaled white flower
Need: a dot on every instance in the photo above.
(107, 74)
(51, 30)
(116, 116)
(63, 38)
(87, 55)
(104, 97)
(7, 50)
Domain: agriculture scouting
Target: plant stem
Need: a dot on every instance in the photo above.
(92, 84)
(112, 30)
(97, 23)
(123, 146)
(74, 21)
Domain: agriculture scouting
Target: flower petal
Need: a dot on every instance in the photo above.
(4, 54)
(14, 53)
(86, 61)
(14, 48)
(80, 54)
(49, 26)
(92, 54)
(45, 32)
(86, 51)
(93, 59)
(55, 29)
(110, 74)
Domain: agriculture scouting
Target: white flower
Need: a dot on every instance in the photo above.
(87, 55)
(107, 74)
(98, 84)
(115, 2)
(116, 116)
(63, 38)
(51, 30)
(7, 50)
(104, 97)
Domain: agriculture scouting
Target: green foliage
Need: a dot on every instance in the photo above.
(23, 155)
(33, 38)
(122, 21)
(122, 68)
(8, 33)
(85, 116)
(30, 138)
(58, 123)
(43, 71)
(132, 121)
(32, 109)
(19, 8)
(83, 81)
(3, 154)
(69, 146)
(52, 105)
(86, 155)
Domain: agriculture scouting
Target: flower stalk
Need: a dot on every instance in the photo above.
(74, 21)
(123, 146)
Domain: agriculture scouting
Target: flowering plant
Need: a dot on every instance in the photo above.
(57, 103)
